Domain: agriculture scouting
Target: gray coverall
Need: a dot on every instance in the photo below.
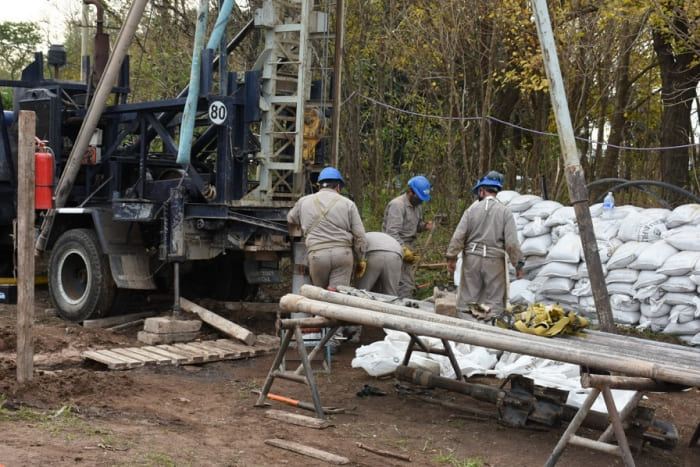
(384, 261)
(485, 233)
(332, 230)
(403, 221)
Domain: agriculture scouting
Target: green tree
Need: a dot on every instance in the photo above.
(18, 41)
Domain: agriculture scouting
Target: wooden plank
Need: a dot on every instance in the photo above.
(228, 327)
(298, 419)
(111, 362)
(197, 353)
(308, 451)
(211, 347)
(191, 358)
(126, 362)
(241, 350)
(114, 320)
(175, 358)
(134, 355)
(149, 355)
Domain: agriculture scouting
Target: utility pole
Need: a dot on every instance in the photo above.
(574, 172)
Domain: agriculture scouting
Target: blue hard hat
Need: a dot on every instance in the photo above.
(330, 173)
(493, 180)
(420, 186)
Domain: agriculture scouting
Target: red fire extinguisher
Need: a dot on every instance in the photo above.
(43, 183)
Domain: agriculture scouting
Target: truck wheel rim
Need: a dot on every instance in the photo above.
(74, 277)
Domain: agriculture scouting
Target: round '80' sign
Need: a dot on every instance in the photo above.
(217, 112)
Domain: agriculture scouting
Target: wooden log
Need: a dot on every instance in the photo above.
(493, 337)
(24, 246)
(384, 453)
(298, 419)
(227, 327)
(308, 451)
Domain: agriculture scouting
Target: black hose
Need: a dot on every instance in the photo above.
(622, 183)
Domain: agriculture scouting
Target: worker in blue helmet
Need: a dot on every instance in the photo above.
(403, 220)
(486, 236)
(333, 233)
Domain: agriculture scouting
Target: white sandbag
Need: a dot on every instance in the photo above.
(683, 313)
(679, 264)
(657, 213)
(505, 196)
(622, 275)
(626, 316)
(562, 230)
(624, 302)
(534, 262)
(596, 210)
(655, 309)
(566, 300)
(653, 256)
(653, 324)
(542, 209)
(586, 304)
(520, 292)
(522, 203)
(520, 221)
(559, 269)
(695, 340)
(568, 249)
(583, 271)
(683, 214)
(620, 212)
(691, 327)
(563, 215)
(675, 298)
(536, 246)
(605, 229)
(624, 288)
(678, 284)
(535, 228)
(649, 278)
(642, 228)
(648, 293)
(684, 239)
(625, 255)
(582, 287)
(381, 357)
(606, 248)
(555, 285)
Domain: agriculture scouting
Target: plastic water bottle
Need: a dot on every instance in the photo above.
(608, 205)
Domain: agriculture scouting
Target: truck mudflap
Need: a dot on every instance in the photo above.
(131, 271)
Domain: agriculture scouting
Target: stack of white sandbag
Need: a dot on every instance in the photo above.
(650, 258)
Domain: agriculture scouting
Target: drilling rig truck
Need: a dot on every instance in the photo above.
(133, 215)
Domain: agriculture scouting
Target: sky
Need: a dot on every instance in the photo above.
(50, 15)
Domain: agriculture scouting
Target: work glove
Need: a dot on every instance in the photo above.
(409, 257)
(360, 269)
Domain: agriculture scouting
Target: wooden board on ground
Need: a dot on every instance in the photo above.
(181, 354)
(308, 451)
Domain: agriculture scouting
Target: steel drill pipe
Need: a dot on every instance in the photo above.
(599, 342)
(492, 337)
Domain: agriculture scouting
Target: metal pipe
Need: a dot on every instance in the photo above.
(190, 111)
(599, 342)
(493, 338)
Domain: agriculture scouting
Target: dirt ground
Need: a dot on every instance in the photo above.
(76, 412)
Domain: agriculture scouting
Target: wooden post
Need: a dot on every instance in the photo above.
(25, 246)
(574, 172)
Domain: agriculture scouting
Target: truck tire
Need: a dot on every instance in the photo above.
(80, 281)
